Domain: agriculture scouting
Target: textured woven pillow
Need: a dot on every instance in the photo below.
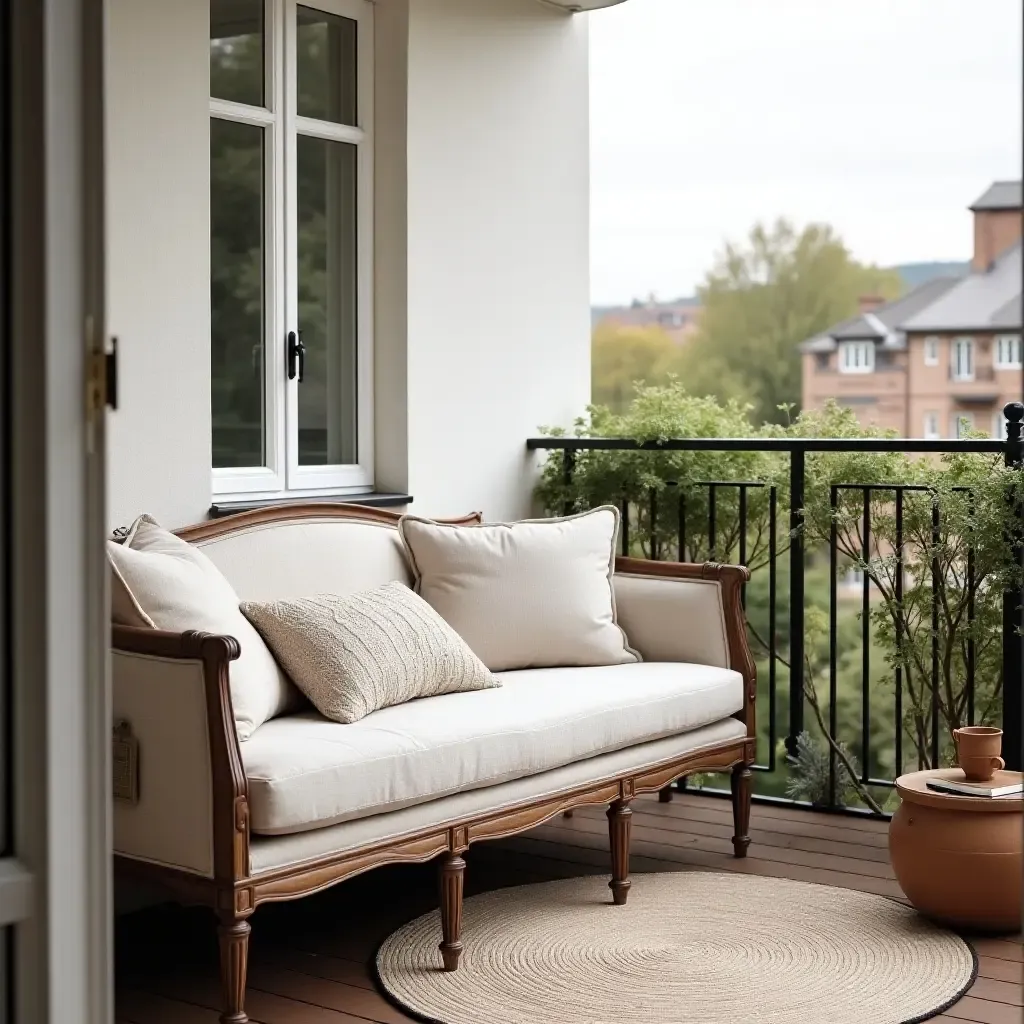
(352, 655)
(158, 580)
(535, 594)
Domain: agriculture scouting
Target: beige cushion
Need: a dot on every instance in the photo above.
(270, 853)
(672, 619)
(534, 594)
(305, 772)
(160, 581)
(356, 654)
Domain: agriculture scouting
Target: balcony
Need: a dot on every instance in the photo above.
(840, 716)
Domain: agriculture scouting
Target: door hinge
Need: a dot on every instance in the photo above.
(101, 386)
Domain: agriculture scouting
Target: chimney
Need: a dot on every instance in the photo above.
(869, 303)
(997, 223)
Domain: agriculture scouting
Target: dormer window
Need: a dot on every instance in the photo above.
(856, 356)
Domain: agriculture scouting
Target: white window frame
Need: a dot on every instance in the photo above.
(283, 475)
(931, 351)
(931, 426)
(1007, 352)
(856, 356)
(998, 425)
(960, 423)
(957, 368)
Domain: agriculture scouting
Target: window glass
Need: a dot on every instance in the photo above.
(931, 426)
(237, 303)
(326, 63)
(328, 279)
(236, 51)
(931, 351)
(1008, 350)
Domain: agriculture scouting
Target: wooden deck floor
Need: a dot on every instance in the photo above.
(309, 958)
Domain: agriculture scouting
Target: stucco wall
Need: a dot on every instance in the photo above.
(482, 250)
(158, 269)
(498, 259)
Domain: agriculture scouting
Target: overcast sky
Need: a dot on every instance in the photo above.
(884, 118)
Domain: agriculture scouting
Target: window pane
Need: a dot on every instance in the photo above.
(236, 293)
(327, 285)
(326, 60)
(236, 51)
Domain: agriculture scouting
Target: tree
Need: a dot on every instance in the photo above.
(764, 297)
(625, 356)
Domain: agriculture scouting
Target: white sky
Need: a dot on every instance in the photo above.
(884, 118)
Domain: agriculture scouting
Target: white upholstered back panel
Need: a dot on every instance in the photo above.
(312, 556)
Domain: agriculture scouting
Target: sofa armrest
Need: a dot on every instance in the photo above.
(676, 611)
(192, 811)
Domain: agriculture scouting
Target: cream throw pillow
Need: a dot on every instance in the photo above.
(160, 581)
(535, 594)
(352, 655)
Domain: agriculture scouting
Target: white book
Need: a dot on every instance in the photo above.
(1001, 784)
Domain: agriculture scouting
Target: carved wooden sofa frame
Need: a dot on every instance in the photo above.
(234, 893)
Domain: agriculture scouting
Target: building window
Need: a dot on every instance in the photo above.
(821, 361)
(998, 426)
(1008, 352)
(931, 351)
(291, 176)
(856, 356)
(931, 426)
(961, 424)
(962, 359)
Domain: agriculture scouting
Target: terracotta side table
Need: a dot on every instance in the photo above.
(958, 858)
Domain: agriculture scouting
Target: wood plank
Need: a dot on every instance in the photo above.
(1000, 970)
(562, 828)
(851, 822)
(318, 965)
(998, 991)
(135, 1006)
(983, 1011)
(999, 949)
(650, 855)
(333, 995)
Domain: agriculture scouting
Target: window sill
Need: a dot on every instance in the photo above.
(373, 499)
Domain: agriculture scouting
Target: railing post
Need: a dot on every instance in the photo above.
(796, 599)
(1012, 602)
(568, 468)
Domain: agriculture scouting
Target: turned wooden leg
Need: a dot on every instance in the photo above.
(741, 790)
(233, 934)
(620, 824)
(453, 869)
(665, 794)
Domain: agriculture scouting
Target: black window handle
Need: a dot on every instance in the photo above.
(296, 356)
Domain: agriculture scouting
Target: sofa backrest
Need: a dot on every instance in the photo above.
(302, 550)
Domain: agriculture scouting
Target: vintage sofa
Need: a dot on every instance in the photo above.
(305, 803)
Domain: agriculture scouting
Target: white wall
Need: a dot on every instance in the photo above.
(498, 246)
(158, 271)
(482, 253)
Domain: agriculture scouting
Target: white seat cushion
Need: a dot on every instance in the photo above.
(306, 772)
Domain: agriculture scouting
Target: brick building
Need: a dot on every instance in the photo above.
(946, 356)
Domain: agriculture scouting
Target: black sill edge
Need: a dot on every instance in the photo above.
(374, 499)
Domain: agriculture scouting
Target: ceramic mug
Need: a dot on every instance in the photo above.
(977, 751)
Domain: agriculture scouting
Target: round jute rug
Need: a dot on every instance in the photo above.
(688, 948)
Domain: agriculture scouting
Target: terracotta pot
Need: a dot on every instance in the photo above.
(958, 862)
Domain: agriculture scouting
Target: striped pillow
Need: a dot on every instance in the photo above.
(352, 655)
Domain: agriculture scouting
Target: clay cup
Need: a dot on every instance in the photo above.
(977, 751)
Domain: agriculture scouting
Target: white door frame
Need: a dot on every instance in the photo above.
(59, 636)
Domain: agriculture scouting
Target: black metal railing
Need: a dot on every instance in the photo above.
(708, 520)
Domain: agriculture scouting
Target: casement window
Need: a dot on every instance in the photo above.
(931, 351)
(291, 177)
(856, 356)
(961, 424)
(999, 425)
(1007, 352)
(931, 426)
(961, 359)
